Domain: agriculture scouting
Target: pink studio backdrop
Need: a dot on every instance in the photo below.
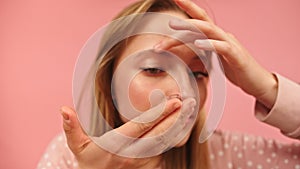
(40, 41)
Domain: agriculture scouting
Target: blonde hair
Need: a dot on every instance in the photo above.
(192, 155)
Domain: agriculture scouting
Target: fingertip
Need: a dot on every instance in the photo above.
(179, 2)
(68, 115)
(158, 48)
(64, 113)
(176, 103)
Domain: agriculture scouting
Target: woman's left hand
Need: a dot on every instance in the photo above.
(239, 66)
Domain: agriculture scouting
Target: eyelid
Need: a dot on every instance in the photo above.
(204, 74)
(152, 67)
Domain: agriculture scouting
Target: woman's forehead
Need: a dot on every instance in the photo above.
(146, 42)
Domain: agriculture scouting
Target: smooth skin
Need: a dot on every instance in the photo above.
(240, 68)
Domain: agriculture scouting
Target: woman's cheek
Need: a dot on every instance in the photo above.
(139, 95)
(142, 87)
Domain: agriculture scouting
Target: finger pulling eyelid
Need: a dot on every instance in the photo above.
(174, 96)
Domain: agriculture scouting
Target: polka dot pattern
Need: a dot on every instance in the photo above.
(58, 156)
(240, 151)
(227, 150)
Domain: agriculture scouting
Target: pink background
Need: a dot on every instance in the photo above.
(40, 41)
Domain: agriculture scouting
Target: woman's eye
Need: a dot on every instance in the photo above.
(199, 75)
(153, 71)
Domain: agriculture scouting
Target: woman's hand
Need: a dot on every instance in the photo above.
(91, 156)
(239, 66)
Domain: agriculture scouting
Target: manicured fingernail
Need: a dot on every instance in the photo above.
(204, 44)
(175, 22)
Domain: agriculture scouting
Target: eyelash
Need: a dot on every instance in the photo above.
(153, 71)
(156, 71)
(199, 75)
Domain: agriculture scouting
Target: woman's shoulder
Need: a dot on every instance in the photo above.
(246, 150)
(58, 155)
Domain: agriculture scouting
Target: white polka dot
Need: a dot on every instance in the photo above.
(239, 155)
(46, 156)
(226, 146)
(270, 141)
(61, 161)
(259, 166)
(289, 150)
(295, 157)
(212, 157)
(235, 148)
(268, 160)
(49, 164)
(286, 161)
(273, 155)
(279, 146)
(60, 138)
(249, 163)
(239, 168)
(58, 167)
(69, 162)
(297, 145)
(261, 152)
(221, 153)
(297, 166)
(43, 168)
(246, 138)
(244, 148)
(253, 147)
(229, 165)
(75, 164)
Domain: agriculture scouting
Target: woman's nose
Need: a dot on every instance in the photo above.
(185, 84)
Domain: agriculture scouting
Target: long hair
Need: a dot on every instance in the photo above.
(192, 155)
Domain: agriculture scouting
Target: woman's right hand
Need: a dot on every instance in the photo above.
(91, 156)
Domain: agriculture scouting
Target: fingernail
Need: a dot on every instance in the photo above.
(192, 103)
(65, 115)
(180, 2)
(174, 96)
(201, 43)
(175, 22)
(177, 105)
(158, 47)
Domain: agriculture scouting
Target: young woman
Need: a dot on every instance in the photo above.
(275, 104)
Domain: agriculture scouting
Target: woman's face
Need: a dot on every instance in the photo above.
(151, 78)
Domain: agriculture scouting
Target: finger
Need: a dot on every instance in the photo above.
(117, 140)
(160, 138)
(179, 39)
(193, 10)
(206, 29)
(178, 117)
(141, 124)
(227, 50)
(189, 31)
(76, 137)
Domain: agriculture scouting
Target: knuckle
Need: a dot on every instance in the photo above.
(210, 28)
(227, 47)
(144, 126)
